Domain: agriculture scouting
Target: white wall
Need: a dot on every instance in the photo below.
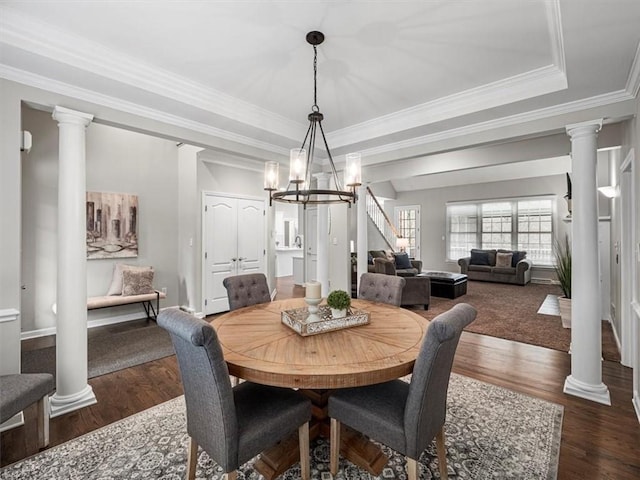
(631, 140)
(188, 218)
(433, 212)
(339, 254)
(117, 161)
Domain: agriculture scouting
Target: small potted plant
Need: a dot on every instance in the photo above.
(339, 301)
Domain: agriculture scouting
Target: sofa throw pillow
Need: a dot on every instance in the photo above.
(503, 260)
(116, 281)
(390, 255)
(517, 256)
(370, 259)
(402, 260)
(137, 282)
(479, 257)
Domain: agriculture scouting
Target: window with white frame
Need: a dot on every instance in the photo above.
(407, 220)
(513, 224)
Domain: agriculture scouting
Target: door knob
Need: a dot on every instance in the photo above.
(234, 259)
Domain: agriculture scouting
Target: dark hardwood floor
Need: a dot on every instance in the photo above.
(598, 442)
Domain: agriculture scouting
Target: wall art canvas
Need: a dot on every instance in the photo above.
(112, 225)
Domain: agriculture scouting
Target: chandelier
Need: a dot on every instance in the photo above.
(299, 189)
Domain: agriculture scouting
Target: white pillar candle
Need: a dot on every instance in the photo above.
(312, 290)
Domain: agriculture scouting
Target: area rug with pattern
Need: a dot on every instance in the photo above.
(491, 433)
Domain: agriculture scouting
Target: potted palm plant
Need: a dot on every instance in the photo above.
(562, 253)
(339, 301)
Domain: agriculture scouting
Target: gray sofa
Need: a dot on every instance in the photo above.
(481, 265)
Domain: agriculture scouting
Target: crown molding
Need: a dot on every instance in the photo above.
(540, 114)
(633, 80)
(554, 22)
(43, 83)
(240, 163)
(22, 32)
(523, 86)
(544, 80)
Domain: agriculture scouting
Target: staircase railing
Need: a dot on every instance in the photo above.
(381, 220)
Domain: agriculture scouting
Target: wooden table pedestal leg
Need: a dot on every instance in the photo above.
(354, 446)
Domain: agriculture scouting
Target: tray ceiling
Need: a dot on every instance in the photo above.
(388, 71)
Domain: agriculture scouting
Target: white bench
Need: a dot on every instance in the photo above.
(146, 299)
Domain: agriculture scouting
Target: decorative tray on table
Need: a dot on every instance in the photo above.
(305, 323)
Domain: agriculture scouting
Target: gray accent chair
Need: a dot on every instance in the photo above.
(406, 416)
(246, 290)
(18, 391)
(232, 425)
(416, 291)
(388, 267)
(378, 287)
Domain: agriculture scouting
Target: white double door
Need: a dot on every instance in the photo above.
(234, 244)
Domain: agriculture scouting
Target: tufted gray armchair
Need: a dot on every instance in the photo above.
(232, 425)
(379, 287)
(406, 417)
(245, 290)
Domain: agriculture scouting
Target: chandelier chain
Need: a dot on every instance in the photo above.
(315, 107)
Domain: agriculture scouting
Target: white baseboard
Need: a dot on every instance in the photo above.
(16, 421)
(41, 332)
(544, 281)
(615, 336)
(636, 403)
(100, 322)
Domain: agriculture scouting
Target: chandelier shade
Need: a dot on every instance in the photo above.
(299, 189)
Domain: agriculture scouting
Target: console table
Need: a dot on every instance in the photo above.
(446, 284)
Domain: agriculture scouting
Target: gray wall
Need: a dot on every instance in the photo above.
(117, 161)
(433, 212)
(10, 235)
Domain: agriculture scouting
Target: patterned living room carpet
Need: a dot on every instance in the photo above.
(491, 433)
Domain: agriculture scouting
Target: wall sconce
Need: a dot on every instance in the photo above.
(26, 141)
(610, 191)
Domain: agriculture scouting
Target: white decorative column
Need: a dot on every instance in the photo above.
(188, 212)
(586, 331)
(322, 272)
(72, 390)
(363, 239)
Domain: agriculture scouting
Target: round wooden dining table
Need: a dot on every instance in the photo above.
(259, 348)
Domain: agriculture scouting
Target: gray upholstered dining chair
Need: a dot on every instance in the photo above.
(406, 416)
(379, 287)
(232, 425)
(247, 289)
